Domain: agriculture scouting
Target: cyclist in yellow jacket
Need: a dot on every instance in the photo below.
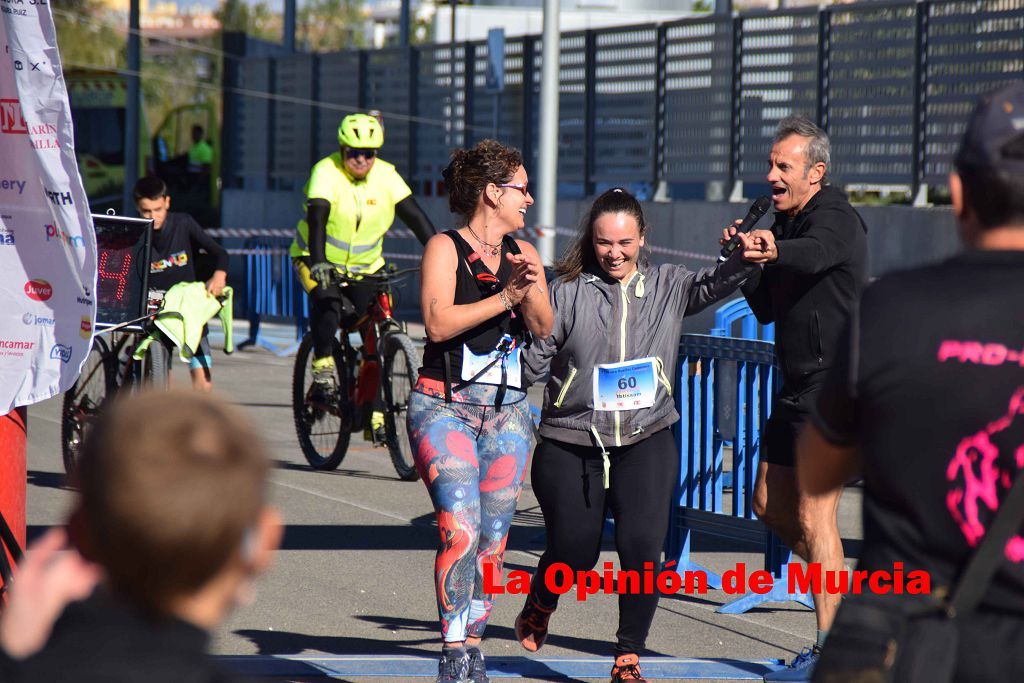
(351, 201)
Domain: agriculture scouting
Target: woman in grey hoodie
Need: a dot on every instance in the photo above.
(608, 408)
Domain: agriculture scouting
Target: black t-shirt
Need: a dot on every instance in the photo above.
(104, 640)
(174, 248)
(931, 390)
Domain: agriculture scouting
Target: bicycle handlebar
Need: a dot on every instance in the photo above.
(382, 277)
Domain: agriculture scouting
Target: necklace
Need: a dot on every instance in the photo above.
(494, 249)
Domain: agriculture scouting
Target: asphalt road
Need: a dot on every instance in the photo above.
(353, 580)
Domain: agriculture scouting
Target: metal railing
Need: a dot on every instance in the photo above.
(272, 291)
(671, 106)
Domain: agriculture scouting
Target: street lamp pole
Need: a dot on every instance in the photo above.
(289, 26)
(403, 23)
(547, 194)
(132, 109)
(455, 90)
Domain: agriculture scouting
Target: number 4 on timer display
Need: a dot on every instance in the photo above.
(122, 246)
(119, 277)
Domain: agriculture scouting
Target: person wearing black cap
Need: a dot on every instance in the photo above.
(926, 400)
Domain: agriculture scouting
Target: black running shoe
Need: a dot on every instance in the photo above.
(453, 667)
(477, 666)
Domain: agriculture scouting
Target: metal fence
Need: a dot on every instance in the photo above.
(672, 105)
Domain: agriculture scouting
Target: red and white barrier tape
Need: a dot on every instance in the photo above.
(283, 252)
(404, 233)
(396, 232)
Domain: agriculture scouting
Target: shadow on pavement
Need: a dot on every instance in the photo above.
(49, 480)
(582, 646)
(287, 643)
(356, 537)
(341, 472)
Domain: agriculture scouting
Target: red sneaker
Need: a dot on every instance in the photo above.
(627, 668)
(532, 624)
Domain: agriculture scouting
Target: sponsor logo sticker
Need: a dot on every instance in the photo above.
(33, 319)
(15, 347)
(55, 234)
(60, 351)
(38, 290)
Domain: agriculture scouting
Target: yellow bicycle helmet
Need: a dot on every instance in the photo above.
(360, 131)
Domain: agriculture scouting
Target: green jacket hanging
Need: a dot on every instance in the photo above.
(186, 309)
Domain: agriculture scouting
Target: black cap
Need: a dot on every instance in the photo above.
(997, 121)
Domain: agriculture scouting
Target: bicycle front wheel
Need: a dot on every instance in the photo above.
(84, 401)
(401, 365)
(324, 431)
(156, 366)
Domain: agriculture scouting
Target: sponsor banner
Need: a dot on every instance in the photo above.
(47, 242)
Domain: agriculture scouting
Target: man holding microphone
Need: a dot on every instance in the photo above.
(815, 264)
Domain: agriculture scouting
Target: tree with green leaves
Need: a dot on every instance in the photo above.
(86, 37)
(256, 19)
(330, 25)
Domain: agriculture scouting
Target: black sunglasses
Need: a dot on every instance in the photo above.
(356, 153)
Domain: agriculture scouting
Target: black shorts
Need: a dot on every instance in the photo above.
(791, 411)
(351, 302)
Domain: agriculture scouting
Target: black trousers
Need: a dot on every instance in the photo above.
(568, 482)
(333, 306)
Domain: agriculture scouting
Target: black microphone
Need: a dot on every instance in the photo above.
(757, 209)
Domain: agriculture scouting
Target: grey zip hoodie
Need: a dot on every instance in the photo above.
(599, 320)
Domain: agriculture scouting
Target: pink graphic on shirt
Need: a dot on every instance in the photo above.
(982, 471)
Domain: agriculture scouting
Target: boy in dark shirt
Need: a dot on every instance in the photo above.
(173, 555)
(176, 238)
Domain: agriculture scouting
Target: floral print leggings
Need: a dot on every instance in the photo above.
(472, 458)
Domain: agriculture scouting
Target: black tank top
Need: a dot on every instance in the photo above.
(471, 287)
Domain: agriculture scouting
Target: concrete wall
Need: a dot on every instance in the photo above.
(898, 237)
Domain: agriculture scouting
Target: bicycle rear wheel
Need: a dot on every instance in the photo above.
(401, 365)
(324, 431)
(85, 399)
(156, 366)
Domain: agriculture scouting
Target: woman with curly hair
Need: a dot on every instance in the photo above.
(483, 296)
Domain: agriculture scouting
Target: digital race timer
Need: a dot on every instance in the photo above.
(122, 255)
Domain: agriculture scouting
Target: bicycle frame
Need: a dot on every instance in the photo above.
(366, 383)
(372, 326)
(132, 333)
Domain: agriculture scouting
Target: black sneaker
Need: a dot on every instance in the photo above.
(453, 667)
(801, 668)
(477, 666)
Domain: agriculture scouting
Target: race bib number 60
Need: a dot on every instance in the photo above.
(625, 386)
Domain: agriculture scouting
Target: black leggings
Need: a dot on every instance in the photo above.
(568, 482)
(329, 308)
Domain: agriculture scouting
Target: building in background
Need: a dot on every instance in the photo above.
(166, 25)
(524, 17)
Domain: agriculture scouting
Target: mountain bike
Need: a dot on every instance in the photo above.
(108, 369)
(325, 429)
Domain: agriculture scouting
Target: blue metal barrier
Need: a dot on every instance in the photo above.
(739, 311)
(728, 317)
(272, 290)
(700, 501)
